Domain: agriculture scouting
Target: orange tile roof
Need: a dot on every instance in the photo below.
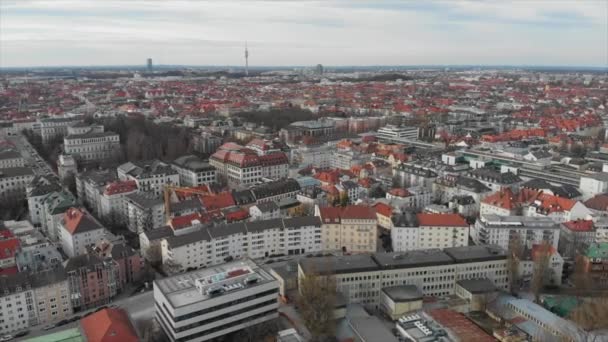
(108, 325)
(441, 220)
(383, 209)
(580, 225)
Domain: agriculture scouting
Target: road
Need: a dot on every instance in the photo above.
(33, 159)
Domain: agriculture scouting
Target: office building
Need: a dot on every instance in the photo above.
(207, 304)
(14, 181)
(90, 143)
(435, 272)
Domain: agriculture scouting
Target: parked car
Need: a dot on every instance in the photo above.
(22, 333)
(48, 327)
(6, 338)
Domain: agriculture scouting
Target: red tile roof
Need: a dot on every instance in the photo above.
(599, 202)
(580, 225)
(184, 221)
(399, 192)
(441, 220)
(108, 325)
(351, 212)
(219, 201)
(120, 187)
(8, 248)
(383, 209)
(77, 221)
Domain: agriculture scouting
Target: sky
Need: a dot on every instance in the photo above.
(284, 33)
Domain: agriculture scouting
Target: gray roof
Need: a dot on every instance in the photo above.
(412, 259)
(24, 280)
(145, 169)
(275, 188)
(418, 258)
(90, 135)
(495, 176)
(159, 233)
(403, 293)
(16, 172)
(225, 230)
(267, 207)
(476, 253)
(9, 154)
(192, 163)
(144, 200)
(339, 264)
(480, 285)
(208, 233)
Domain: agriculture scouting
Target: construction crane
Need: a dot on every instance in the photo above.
(171, 188)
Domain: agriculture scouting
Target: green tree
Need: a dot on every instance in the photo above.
(344, 200)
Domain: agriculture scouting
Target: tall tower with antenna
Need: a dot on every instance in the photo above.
(246, 60)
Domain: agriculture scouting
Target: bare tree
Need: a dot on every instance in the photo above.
(513, 260)
(541, 269)
(316, 302)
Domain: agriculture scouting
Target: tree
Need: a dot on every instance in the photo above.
(515, 252)
(344, 200)
(316, 301)
(592, 314)
(265, 331)
(540, 269)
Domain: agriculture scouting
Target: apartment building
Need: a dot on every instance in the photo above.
(78, 231)
(193, 171)
(500, 230)
(14, 181)
(11, 158)
(93, 280)
(207, 304)
(425, 231)
(54, 205)
(113, 203)
(90, 143)
(259, 239)
(276, 190)
(56, 127)
(145, 211)
(151, 176)
(350, 229)
(360, 278)
(91, 184)
(67, 167)
(410, 175)
(36, 192)
(30, 299)
(575, 237)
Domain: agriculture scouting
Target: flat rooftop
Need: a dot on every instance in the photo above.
(496, 221)
(418, 258)
(191, 287)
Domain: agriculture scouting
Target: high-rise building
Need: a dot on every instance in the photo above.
(246, 60)
(149, 64)
(319, 69)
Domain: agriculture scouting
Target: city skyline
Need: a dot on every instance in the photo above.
(89, 33)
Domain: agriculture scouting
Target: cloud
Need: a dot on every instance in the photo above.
(102, 32)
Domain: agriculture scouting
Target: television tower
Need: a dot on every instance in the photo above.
(246, 60)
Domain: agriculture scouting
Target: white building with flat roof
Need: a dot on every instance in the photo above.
(206, 304)
(499, 230)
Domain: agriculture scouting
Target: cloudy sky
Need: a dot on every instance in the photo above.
(107, 32)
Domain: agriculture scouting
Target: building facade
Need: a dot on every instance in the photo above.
(207, 304)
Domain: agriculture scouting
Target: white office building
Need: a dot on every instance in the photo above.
(397, 134)
(206, 304)
(435, 272)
